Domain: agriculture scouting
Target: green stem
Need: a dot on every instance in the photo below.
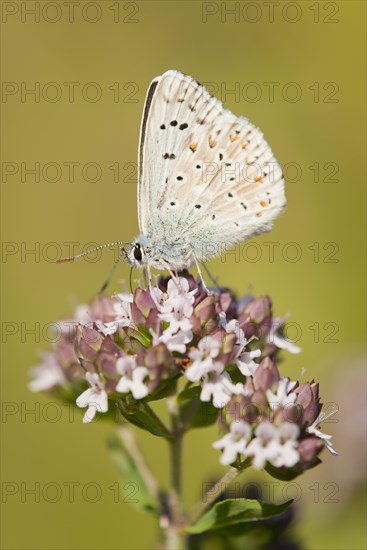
(131, 447)
(175, 541)
(176, 482)
(157, 420)
(212, 495)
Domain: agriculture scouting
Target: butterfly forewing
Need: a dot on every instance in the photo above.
(204, 173)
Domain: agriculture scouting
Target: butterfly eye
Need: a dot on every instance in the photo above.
(138, 253)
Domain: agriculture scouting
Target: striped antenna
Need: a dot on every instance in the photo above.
(72, 258)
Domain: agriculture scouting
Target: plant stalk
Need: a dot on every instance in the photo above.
(175, 541)
(221, 485)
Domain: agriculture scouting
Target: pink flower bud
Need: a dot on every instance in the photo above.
(308, 397)
(266, 375)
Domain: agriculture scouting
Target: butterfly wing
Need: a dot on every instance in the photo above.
(204, 174)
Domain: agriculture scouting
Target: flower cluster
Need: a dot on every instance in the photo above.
(130, 349)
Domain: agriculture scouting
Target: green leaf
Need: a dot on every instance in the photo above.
(287, 474)
(141, 334)
(141, 415)
(189, 393)
(197, 414)
(193, 412)
(139, 494)
(234, 512)
(167, 389)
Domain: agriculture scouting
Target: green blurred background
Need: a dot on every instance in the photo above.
(321, 134)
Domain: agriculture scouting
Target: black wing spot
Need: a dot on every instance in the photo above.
(172, 203)
(179, 178)
(173, 123)
(198, 166)
(197, 205)
(220, 156)
(230, 195)
(236, 224)
(183, 126)
(213, 217)
(243, 206)
(162, 127)
(171, 156)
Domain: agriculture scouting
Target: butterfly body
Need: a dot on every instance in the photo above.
(161, 251)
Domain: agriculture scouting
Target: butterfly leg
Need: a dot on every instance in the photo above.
(213, 280)
(168, 267)
(148, 281)
(147, 275)
(107, 281)
(209, 292)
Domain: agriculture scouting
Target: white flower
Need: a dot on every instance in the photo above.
(243, 359)
(112, 326)
(174, 342)
(132, 377)
(275, 445)
(282, 397)
(260, 446)
(217, 385)
(81, 314)
(234, 442)
(123, 314)
(280, 341)
(123, 306)
(202, 358)
(176, 306)
(286, 454)
(241, 341)
(246, 363)
(178, 299)
(243, 389)
(95, 397)
(313, 429)
(47, 375)
(222, 319)
(177, 335)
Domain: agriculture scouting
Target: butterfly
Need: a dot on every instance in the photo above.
(207, 179)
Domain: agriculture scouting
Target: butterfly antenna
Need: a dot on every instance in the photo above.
(77, 256)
